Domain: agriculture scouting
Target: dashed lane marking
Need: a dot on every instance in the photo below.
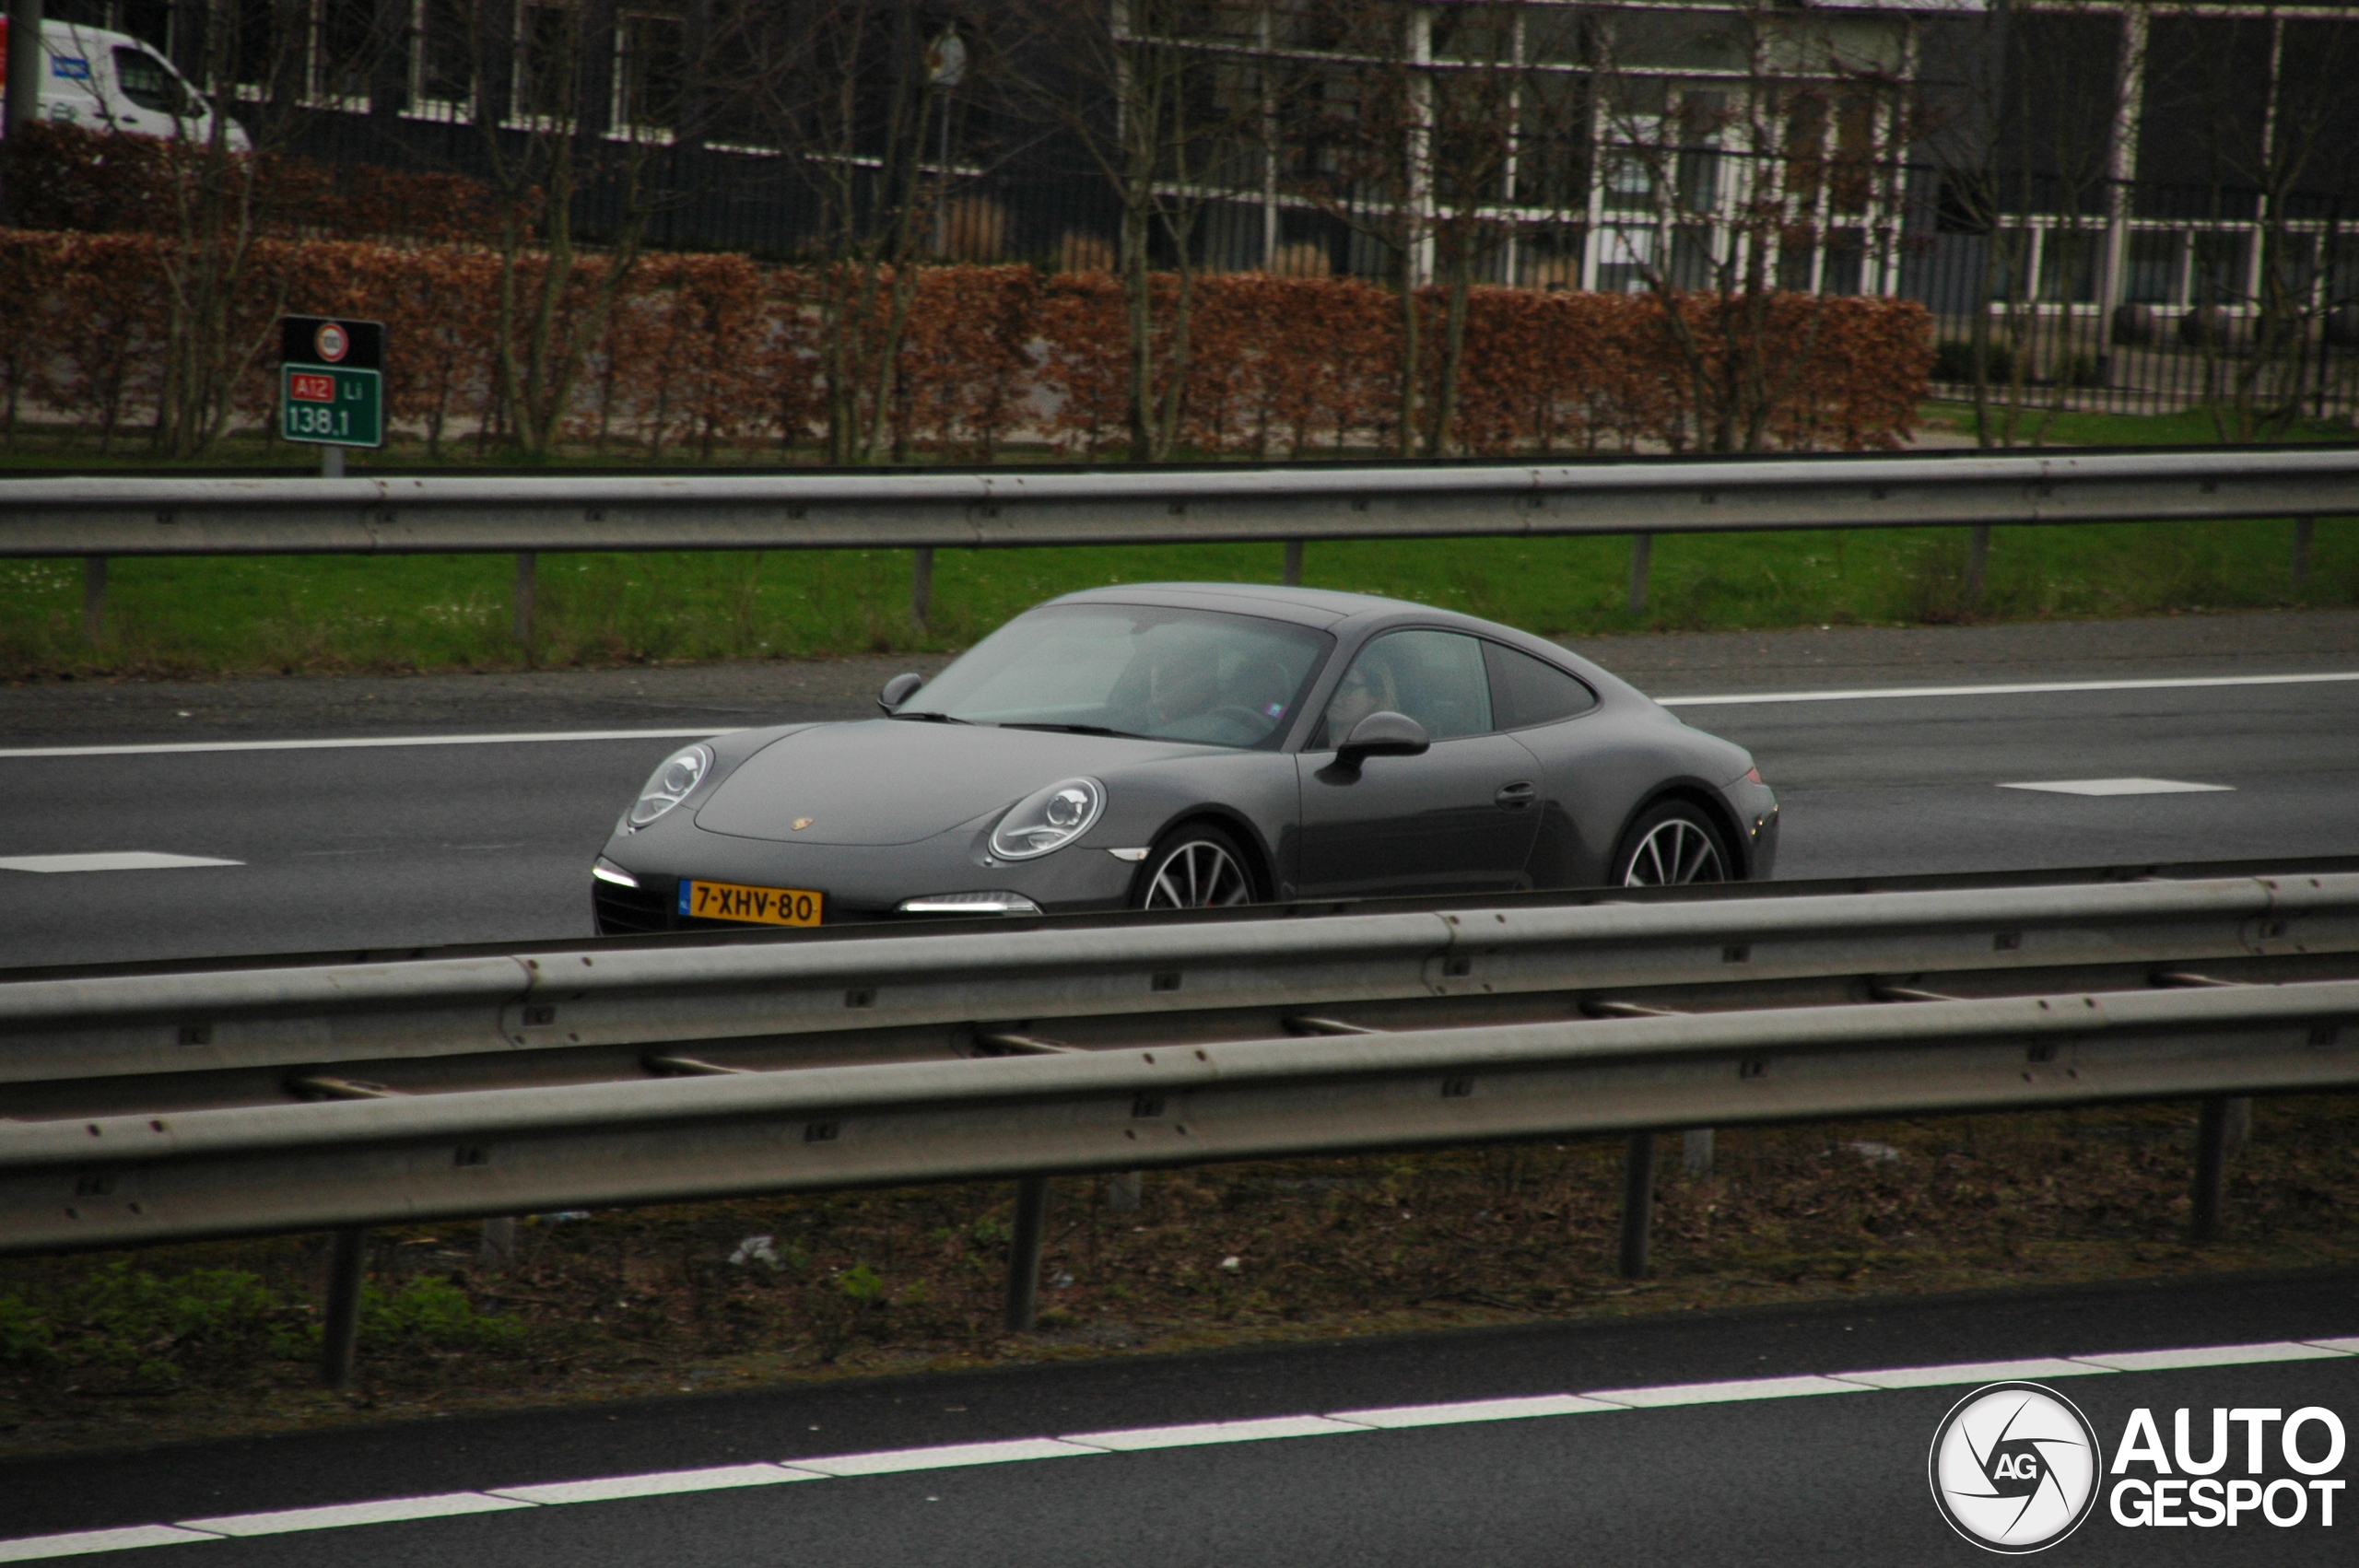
(110, 860)
(2103, 786)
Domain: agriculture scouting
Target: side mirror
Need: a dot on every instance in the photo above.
(896, 690)
(1382, 734)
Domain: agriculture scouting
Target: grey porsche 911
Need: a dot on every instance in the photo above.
(1182, 746)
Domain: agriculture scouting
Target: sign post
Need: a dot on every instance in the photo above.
(331, 386)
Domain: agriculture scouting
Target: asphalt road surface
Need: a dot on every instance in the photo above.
(389, 846)
(1790, 1478)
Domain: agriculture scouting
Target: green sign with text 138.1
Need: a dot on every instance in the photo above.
(332, 405)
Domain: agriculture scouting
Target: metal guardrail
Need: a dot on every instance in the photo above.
(152, 1106)
(75, 1044)
(1195, 1005)
(100, 517)
(121, 1180)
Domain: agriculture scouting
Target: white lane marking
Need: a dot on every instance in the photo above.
(365, 742)
(338, 1515)
(1864, 693)
(2122, 786)
(2210, 1355)
(661, 1484)
(1672, 1394)
(81, 1543)
(1971, 1372)
(892, 1461)
(109, 861)
(2023, 688)
(1145, 1437)
(1469, 1411)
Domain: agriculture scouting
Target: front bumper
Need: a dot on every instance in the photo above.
(858, 884)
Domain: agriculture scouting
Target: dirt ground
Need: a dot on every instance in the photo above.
(109, 1350)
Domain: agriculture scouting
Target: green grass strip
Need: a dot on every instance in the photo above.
(200, 616)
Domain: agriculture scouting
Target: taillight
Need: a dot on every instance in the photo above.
(1752, 776)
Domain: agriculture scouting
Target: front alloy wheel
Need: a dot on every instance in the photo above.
(1671, 845)
(1198, 867)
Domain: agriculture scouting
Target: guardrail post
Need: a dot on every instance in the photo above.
(2304, 533)
(1696, 1152)
(1123, 1189)
(500, 1241)
(2236, 1130)
(2211, 1166)
(1977, 557)
(922, 585)
(528, 574)
(340, 1334)
(1024, 1253)
(1294, 563)
(1642, 557)
(1638, 1204)
(94, 597)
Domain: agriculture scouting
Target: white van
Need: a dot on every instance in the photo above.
(111, 81)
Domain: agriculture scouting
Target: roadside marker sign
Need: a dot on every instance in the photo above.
(332, 376)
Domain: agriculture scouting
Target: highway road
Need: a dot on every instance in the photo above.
(1726, 1461)
(356, 843)
(345, 844)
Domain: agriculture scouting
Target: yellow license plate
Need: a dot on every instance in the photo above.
(765, 906)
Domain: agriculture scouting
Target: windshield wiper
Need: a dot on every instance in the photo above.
(925, 717)
(1083, 729)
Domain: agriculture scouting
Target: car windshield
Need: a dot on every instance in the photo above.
(1167, 674)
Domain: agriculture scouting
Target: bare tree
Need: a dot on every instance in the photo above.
(220, 200)
(2258, 110)
(859, 98)
(1727, 195)
(574, 106)
(1168, 101)
(2029, 114)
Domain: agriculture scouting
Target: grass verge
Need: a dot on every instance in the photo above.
(198, 618)
(183, 1342)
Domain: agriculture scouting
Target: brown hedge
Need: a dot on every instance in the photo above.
(706, 352)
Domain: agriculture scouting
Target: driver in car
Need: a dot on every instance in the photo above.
(1367, 688)
(1182, 683)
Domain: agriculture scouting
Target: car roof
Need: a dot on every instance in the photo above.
(1318, 607)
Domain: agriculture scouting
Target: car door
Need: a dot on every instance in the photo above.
(1544, 709)
(1459, 818)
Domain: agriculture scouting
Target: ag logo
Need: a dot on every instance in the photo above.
(2015, 1468)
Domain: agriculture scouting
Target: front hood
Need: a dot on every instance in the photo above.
(896, 781)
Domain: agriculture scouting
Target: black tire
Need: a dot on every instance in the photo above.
(1671, 843)
(1195, 866)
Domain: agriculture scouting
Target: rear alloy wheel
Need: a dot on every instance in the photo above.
(1198, 867)
(1670, 845)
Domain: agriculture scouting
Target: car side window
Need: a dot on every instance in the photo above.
(1433, 677)
(1527, 691)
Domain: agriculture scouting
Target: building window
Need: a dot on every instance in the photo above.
(2151, 272)
(649, 76)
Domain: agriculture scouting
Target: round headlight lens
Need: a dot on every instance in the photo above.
(1050, 820)
(670, 784)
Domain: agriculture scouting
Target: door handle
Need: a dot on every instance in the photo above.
(1516, 796)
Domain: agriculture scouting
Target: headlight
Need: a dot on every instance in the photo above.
(1050, 820)
(681, 772)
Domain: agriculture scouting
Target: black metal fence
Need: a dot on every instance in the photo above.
(2166, 300)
